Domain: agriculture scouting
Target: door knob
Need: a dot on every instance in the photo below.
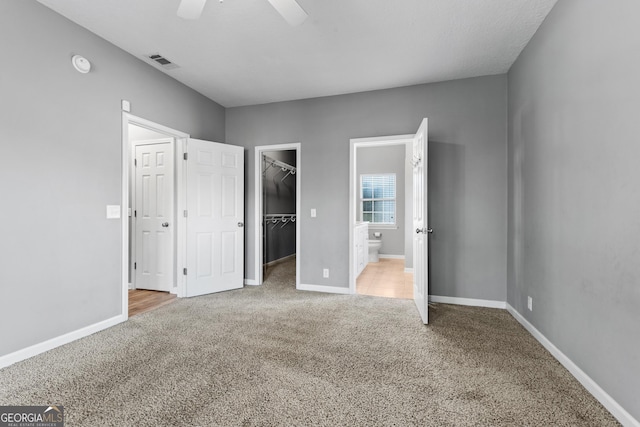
(424, 230)
(241, 224)
(165, 224)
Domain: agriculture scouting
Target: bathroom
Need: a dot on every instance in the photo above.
(383, 189)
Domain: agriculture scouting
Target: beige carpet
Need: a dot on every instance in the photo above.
(272, 355)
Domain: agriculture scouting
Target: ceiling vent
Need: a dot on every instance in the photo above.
(162, 61)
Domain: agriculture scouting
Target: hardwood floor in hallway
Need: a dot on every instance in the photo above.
(385, 278)
(142, 300)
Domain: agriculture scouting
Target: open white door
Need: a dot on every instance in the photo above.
(215, 217)
(154, 210)
(420, 222)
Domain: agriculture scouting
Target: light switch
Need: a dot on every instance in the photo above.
(113, 211)
(126, 106)
(313, 213)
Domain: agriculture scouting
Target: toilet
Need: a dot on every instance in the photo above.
(374, 247)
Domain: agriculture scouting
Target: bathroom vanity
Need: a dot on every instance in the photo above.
(360, 237)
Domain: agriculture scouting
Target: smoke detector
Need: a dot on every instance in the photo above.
(81, 64)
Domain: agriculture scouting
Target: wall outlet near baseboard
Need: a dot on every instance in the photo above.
(325, 273)
(530, 303)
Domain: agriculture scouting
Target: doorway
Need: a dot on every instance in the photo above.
(416, 152)
(156, 261)
(207, 211)
(277, 205)
(380, 165)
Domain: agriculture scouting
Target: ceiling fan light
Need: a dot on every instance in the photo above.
(191, 9)
(290, 10)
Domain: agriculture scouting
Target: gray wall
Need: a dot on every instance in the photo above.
(467, 172)
(574, 189)
(60, 166)
(279, 197)
(380, 160)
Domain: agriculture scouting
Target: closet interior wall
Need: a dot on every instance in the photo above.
(279, 206)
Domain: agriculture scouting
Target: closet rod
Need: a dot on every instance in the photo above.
(278, 216)
(273, 162)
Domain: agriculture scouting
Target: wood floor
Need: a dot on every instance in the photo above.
(385, 278)
(141, 300)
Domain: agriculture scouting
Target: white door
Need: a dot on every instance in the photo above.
(215, 217)
(153, 215)
(420, 222)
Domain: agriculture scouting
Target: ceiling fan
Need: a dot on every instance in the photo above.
(289, 9)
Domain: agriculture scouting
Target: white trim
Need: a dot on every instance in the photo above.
(52, 343)
(181, 221)
(250, 282)
(389, 256)
(408, 270)
(181, 137)
(468, 301)
(374, 226)
(354, 144)
(257, 213)
(379, 141)
(592, 387)
(325, 289)
(280, 260)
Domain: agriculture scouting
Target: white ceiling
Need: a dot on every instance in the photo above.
(242, 52)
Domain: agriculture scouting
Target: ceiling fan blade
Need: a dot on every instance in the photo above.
(191, 9)
(290, 11)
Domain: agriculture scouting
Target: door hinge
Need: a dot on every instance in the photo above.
(184, 271)
(135, 265)
(186, 214)
(135, 214)
(186, 156)
(135, 162)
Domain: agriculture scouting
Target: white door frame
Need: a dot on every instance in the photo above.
(356, 143)
(258, 210)
(180, 234)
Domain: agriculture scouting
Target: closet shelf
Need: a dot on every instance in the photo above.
(273, 163)
(280, 216)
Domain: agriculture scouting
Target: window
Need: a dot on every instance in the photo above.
(378, 198)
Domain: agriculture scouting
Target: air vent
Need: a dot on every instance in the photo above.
(162, 61)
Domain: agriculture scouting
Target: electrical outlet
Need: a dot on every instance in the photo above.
(530, 303)
(325, 273)
(314, 213)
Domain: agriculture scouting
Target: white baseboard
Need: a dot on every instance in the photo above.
(408, 270)
(280, 260)
(52, 343)
(388, 256)
(322, 288)
(592, 387)
(468, 301)
(250, 282)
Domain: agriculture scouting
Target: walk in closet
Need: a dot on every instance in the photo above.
(279, 207)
